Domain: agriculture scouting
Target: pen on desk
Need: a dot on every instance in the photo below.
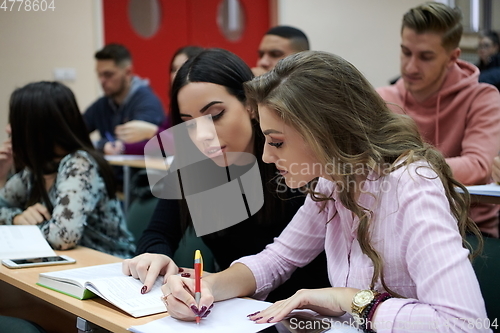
(198, 271)
(110, 138)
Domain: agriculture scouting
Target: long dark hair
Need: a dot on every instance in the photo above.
(226, 69)
(45, 119)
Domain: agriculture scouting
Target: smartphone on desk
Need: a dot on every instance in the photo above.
(40, 261)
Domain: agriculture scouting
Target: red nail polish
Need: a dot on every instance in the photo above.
(143, 289)
(186, 274)
(181, 270)
(195, 310)
(269, 320)
(257, 318)
(202, 310)
(206, 314)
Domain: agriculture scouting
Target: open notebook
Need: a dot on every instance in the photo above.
(108, 282)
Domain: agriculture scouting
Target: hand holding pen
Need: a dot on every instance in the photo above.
(110, 138)
(184, 299)
(113, 147)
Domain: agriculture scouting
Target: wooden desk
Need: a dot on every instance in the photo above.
(489, 193)
(133, 161)
(56, 312)
(489, 199)
(136, 161)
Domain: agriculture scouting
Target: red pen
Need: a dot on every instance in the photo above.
(198, 271)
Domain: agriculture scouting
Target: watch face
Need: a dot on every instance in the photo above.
(363, 297)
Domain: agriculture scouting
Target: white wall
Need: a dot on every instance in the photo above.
(32, 44)
(364, 32)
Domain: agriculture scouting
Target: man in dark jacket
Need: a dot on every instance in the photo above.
(126, 96)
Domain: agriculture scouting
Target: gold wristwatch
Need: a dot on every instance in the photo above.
(360, 301)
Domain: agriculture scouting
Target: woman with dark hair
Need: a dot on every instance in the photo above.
(63, 185)
(133, 135)
(211, 84)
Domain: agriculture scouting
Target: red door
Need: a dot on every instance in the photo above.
(183, 22)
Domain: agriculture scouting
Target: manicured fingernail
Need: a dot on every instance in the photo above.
(202, 310)
(181, 270)
(186, 274)
(195, 310)
(211, 306)
(206, 314)
(144, 289)
(257, 319)
(269, 320)
(253, 314)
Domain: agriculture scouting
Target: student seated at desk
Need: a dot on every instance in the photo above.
(133, 135)
(212, 84)
(63, 185)
(385, 210)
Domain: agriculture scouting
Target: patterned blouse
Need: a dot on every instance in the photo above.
(83, 213)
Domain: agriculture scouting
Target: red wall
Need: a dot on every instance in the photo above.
(184, 22)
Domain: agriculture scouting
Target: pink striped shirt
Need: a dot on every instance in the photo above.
(415, 233)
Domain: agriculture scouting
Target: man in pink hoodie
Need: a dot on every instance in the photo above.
(453, 111)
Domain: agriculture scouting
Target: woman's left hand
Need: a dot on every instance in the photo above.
(326, 301)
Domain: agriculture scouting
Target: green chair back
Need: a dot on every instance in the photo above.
(487, 268)
(139, 214)
(184, 256)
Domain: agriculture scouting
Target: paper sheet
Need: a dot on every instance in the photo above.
(226, 317)
(23, 241)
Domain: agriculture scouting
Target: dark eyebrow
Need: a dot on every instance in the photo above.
(423, 52)
(203, 109)
(271, 131)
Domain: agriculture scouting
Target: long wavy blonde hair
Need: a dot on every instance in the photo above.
(343, 119)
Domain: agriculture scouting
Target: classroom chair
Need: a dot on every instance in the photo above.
(139, 214)
(487, 268)
(184, 256)
(17, 325)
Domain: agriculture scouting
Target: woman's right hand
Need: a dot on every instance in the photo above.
(33, 215)
(178, 296)
(148, 266)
